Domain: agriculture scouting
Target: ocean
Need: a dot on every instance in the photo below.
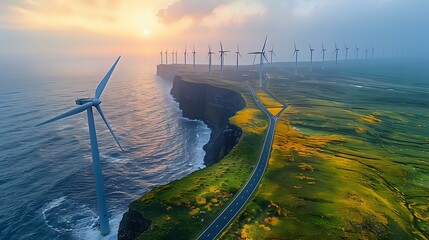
(47, 188)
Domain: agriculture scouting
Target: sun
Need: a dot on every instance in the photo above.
(146, 32)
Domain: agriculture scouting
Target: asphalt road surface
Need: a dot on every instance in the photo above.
(223, 220)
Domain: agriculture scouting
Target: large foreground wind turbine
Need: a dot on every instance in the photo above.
(347, 51)
(261, 60)
(295, 53)
(271, 54)
(222, 58)
(311, 58)
(210, 53)
(193, 55)
(323, 56)
(238, 54)
(162, 62)
(336, 54)
(87, 104)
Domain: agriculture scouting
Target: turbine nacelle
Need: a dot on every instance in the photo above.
(82, 101)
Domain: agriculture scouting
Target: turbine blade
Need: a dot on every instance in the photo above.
(265, 43)
(254, 59)
(108, 126)
(74, 111)
(255, 52)
(263, 54)
(103, 82)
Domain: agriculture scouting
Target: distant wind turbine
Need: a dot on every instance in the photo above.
(210, 59)
(271, 54)
(261, 60)
(357, 52)
(222, 58)
(161, 53)
(372, 52)
(193, 55)
(295, 53)
(366, 54)
(347, 51)
(87, 104)
(166, 57)
(172, 57)
(336, 54)
(311, 57)
(323, 56)
(184, 54)
(176, 56)
(238, 54)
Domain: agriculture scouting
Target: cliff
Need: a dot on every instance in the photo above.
(204, 102)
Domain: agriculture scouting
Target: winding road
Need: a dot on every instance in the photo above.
(228, 214)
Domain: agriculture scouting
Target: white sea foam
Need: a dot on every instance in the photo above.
(50, 206)
(88, 231)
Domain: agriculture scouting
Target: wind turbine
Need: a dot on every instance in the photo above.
(261, 60)
(176, 55)
(336, 54)
(347, 51)
(210, 59)
(166, 57)
(87, 104)
(222, 58)
(357, 53)
(172, 57)
(162, 62)
(238, 54)
(193, 55)
(372, 52)
(311, 58)
(323, 56)
(296, 57)
(272, 53)
(185, 53)
(366, 54)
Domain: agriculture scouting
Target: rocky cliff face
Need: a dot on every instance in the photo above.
(204, 102)
(214, 106)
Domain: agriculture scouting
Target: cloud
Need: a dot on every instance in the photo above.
(188, 9)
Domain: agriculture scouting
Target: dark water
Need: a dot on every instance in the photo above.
(46, 176)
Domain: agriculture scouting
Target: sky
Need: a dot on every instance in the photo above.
(73, 28)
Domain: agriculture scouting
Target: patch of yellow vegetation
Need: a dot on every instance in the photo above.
(214, 200)
(167, 218)
(266, 228)
(267, 100)
(361, 130)
(201, 200)
(194, 211)
(370, 119)
(272, 220)
(245, 232)
(275, 111)
(306, 167)
(247, 120)
(302, 177)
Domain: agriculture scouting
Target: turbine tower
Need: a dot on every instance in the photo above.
(347, 51)
(184, 54)
(296, 57)
(176, 55)
(323, 56)
(261, 60)
(238, 54)
(336, 54)
(311, 58)
(87, 104)
(161, 53)
(357, 53)
(193, 55)
(271, 54)
(166, 57)
(222, 58)
(366, 54)
(210, 59)
(172, 57)
(372, 52)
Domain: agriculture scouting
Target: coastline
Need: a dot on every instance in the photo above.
(212, 105)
